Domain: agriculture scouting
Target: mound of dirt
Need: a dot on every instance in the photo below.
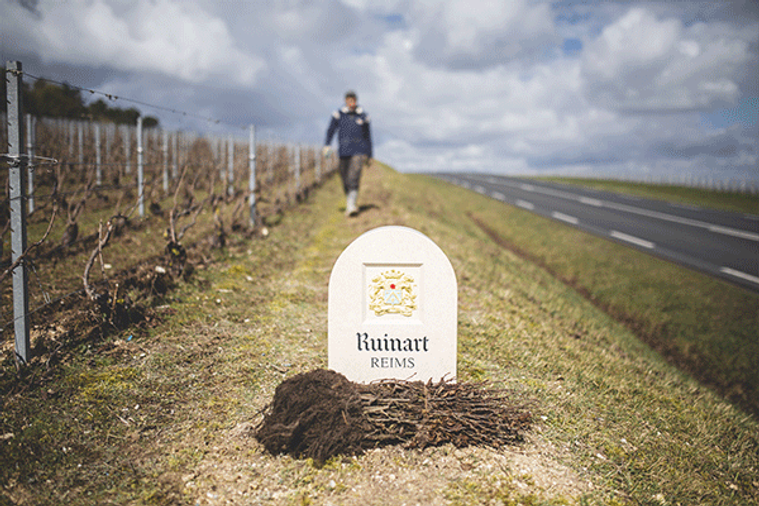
(321, 414)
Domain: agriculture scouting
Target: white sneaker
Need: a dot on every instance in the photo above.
(350, 207)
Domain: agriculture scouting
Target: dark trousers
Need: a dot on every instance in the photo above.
(350, 171)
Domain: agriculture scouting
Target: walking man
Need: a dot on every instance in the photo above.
(352, 126)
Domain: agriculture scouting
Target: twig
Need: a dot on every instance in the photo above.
(102, 242)
(73, 213)
(192, 223)
(173, 213)
(100, 252)
(29, 249)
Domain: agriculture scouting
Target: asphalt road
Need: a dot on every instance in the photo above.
(722, 244)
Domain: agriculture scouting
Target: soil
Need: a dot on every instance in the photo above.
(317, 415)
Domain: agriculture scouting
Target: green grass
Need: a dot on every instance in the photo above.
(726, 201)
(165, 417)
(705, 326)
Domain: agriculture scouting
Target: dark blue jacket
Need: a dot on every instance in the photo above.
(352, 132)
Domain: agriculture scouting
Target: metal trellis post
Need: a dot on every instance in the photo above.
(174, 167)
(252, 172)
(98, 169)
(108, 139)
(165, 161)
(30, 140)
(71, 138)
(231, 165)
(297, 168)
(217, 159)
(80, 140)
(17, 183)
(140, 169)
(127, 150)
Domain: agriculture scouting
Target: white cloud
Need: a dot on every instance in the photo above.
(534, 116)
(476, 158)
(163, 36)
(317, 21)
(477, 34)
(529, 113)
(642, 62)
(454, 85)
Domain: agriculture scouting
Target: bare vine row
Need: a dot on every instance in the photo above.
(87, 243)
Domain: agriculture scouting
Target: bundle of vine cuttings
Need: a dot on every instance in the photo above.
(321, 414)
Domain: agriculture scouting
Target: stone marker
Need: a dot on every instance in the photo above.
(392, 308)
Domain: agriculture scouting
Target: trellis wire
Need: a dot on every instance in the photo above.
(79, 135)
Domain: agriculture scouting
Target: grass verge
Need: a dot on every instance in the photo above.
(702, 325)
(166, 416)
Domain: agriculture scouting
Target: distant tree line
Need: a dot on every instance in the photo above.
(51, 100)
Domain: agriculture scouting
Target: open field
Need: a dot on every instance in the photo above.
(724, 200)
(164, 413)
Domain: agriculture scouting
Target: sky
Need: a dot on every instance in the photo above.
(632, 89)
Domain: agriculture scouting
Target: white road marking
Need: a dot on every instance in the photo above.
(499, 196)
(632, 239)
(591, 202)
(565, 217)
(684, 221)
(635, 210)
(735, 233)
(479, 189)
(740, 274)
(526, 205)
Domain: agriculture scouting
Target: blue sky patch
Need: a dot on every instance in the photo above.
(571, 47)
(745, 112)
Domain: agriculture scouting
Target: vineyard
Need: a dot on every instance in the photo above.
(118, 215)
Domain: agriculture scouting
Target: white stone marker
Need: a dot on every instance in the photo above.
(393, 309)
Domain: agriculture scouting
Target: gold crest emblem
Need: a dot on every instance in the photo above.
(392, 292)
